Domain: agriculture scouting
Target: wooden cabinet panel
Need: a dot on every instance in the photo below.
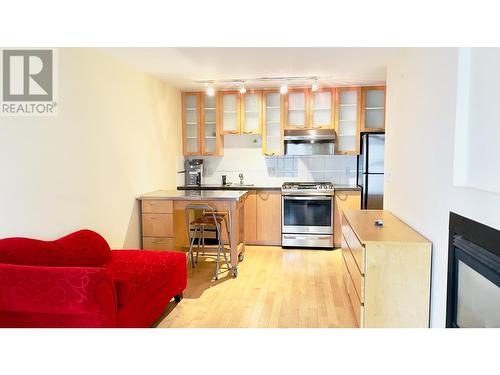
(373, 109)
(357, 306)
(230, 112)
(296, 109)
(157, 225)
(158, 243)
(251, 218)
(191, 123)
(343, 200)
(357, 279)
(348, 120)
(323, 108)
(357, 249)
(272, 119)
(157, 206)
(251, 112)
(269, 217)
(211, 138)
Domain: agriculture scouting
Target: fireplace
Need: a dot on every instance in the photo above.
(473, 299)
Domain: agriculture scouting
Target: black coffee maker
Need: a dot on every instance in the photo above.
(194, 171)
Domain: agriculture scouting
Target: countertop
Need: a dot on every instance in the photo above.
(195, 195)
(394, 230)
(255, 187)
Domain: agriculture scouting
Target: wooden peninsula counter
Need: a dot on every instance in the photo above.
(164, 223)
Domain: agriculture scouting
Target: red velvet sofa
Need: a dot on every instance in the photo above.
(78, 281)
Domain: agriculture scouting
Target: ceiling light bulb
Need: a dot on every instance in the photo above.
(314, 86)
(283, 88)
(243, 89)
(210, 90)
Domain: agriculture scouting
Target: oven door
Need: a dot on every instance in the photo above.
(307, 214)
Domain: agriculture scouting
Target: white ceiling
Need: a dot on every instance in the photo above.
(182, 67)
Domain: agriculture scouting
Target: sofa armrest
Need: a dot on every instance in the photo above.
(58, 290)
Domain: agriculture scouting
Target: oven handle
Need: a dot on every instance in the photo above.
(294, 237)
(308, 198)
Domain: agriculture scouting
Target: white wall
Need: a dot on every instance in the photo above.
(117, 135)
(243, 153)
(419, 163)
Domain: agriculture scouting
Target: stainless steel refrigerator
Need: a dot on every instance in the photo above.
(371, 170)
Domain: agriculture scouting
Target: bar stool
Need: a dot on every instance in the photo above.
(196, 232)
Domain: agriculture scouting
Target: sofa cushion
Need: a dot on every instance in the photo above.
(142, 272)
(84, 248)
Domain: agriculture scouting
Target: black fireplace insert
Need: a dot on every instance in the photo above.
(473, 298)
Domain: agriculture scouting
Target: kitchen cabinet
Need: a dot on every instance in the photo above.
(200, 129)
(296, 108)
(251, 218)
(348, 120)
(323, 109)
(191, 123)
(272, 132)
(268, 215)
(230, 110)
(373, 109)
(386, 270)
(211, 139)
(343, 200)
(157, 225)
(251, 112)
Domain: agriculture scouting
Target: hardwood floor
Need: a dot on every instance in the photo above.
(274, 288)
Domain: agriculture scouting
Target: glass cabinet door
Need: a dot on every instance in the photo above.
(230, 112)
(209, 129)
(273, 130)
(373, 99)
(348, 108)
(297, 108)
(251, 112)
(322, 109)
(191, 123)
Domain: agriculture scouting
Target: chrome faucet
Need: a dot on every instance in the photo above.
(241, 178)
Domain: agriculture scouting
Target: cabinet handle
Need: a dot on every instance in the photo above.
(159, 242)
(247, 132)
(154, 218)
(269, 153)
(316, 126)
(233, 132)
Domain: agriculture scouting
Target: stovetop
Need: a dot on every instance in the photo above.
(307, 187)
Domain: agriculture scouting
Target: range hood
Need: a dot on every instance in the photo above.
(309, 142)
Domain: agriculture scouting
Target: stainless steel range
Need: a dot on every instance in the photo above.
(307, 214)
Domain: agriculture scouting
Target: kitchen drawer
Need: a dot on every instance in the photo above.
(158, 243)
(357, 279)
(357, 306)
(157, 206)
(157, 225)
(357, 250)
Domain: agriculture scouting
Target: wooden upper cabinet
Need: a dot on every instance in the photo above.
(348, 120)
(230, 109)
(191, 123)
(296, 108)
(251, 112)
(272, 118)
(323, 108)
(373, 109)
(200, 127)
(211, 139)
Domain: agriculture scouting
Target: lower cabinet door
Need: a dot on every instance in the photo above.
(269, 217)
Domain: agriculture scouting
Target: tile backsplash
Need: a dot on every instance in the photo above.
(243, 154)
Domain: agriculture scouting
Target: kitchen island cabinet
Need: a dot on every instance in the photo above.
(164, 219)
